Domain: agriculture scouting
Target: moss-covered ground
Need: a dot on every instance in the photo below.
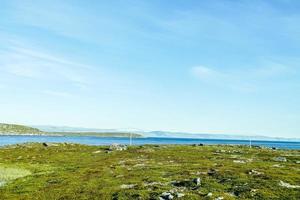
(71, 171)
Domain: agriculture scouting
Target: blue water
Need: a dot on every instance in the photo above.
(6, 140)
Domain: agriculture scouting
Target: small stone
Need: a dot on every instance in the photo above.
(254, 172)
(130, 186)
(117, 147)
(209, 194)
(219, 198)
(287, 185)
(167, 196)
(197, 181)
(179, 195)
(280, 159)
(239, 161)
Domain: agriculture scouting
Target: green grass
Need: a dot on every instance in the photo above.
(11, 173)
(71, 171)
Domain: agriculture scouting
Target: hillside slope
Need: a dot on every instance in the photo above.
(14, 129)
(18, 129)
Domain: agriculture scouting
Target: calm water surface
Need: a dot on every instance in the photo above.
(6, 140)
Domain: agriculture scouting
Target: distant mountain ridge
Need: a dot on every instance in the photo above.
(167, 134)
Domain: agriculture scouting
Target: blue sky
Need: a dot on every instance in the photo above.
(197, 66)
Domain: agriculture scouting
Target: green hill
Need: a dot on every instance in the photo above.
(14, 129)
(18, 129)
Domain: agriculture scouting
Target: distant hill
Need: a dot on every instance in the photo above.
(14, 129)
(18, 129)
(170, 134)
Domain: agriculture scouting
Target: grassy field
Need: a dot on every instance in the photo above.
(71, 171)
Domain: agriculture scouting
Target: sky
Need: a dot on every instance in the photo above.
(219, 66)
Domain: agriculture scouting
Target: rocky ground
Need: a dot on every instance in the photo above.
(71, 171)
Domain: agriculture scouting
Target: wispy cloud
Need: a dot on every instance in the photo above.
(36, 64)
(247, 80)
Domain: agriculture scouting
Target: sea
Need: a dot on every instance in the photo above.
(87, 140)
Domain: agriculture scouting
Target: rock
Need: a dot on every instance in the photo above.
(130, 186)
(99, 151)
(209, 194)
(167, 196)
(200, 145)
(298, 162)
(192, 184)
(254, 172)
(287, 185)
(239, 161)
(45, 144)
(139, 165)
(219, 198)
(197, 181)
(280, 159)
(179, 195)
(117, 147)
(212, 172)
(253, 192)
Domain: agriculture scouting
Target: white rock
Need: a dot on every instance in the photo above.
(287, 185)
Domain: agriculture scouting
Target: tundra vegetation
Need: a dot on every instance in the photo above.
(73, 171)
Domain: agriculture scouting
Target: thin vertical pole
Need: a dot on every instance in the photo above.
(130, 139)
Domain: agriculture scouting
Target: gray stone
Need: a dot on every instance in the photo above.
(117, 147)
(280, 159)
(167, 196)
